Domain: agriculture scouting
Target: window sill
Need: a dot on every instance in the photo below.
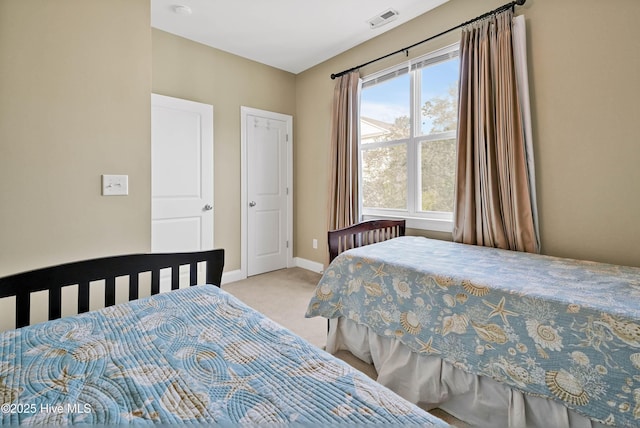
(436, 225)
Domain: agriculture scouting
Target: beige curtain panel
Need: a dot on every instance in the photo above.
(493, 201)
(343, 190)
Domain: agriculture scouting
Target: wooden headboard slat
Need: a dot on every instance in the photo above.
(55, 303)
(83, 296)
(175, 277)
(23, 309)
(193, 273)
(133, 287)
(155, 282)
(364, 233)
(110, 291)
(83, 273)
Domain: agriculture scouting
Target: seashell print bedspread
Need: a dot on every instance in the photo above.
(195, 355)
(563, 329)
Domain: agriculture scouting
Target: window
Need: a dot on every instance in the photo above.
(408, 120)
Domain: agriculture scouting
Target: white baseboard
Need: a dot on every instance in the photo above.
(237, 275)
(233, 276)
(308, 265)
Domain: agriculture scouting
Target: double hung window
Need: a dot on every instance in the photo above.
(408, 121)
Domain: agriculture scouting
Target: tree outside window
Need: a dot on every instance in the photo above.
(408, 129)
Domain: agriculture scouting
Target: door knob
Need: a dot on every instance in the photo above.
(252, 203)
(207, 207)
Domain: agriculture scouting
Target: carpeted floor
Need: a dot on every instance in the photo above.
(283, 296)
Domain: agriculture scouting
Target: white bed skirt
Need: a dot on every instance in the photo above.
(431, 382)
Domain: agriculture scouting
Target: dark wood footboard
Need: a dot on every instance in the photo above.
(84, 272)
(364, 233)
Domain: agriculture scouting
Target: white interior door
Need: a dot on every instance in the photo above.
(268, 190)
(182, 175)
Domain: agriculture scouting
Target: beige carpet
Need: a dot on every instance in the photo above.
(283, 296)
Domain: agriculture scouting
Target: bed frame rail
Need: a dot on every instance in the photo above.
(364, 233)
(82, 273)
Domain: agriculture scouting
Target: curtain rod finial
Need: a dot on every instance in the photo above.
(520, 2)
(333, 76)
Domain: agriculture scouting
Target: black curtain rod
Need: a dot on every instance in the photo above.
(477, 18)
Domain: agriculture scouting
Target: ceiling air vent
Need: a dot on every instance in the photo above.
(383, 18)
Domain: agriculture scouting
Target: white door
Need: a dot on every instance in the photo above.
(268, 190)
(182, 175)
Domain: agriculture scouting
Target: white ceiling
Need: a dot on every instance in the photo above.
(291, 35)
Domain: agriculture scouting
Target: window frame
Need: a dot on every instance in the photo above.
(425, 220)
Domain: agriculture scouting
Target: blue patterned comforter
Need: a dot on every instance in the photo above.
(196, 355)
(558, 328)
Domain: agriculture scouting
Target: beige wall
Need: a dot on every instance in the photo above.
(189, 70)
(584, 63)
(75, 78)
(75, 85)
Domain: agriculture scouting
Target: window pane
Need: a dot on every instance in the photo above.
(438, 166)
(384, 110)
(384, 177)
(439, 97)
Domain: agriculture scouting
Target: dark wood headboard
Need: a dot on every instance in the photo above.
(364, 233)
(54, 278)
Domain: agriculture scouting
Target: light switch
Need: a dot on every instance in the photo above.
(113, 185)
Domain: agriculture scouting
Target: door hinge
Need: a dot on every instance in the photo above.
(287, 138)
(287, 244)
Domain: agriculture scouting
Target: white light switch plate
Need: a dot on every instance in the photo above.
(113, 185)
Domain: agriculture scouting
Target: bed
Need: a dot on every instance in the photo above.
(194, 354)
(493, 337)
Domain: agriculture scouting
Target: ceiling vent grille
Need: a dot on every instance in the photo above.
(383, 18)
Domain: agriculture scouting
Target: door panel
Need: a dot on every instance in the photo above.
(182, 234)
(267, 239)
(176, 160)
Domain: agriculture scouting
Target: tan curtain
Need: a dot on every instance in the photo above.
(493, 201)
(343, 170)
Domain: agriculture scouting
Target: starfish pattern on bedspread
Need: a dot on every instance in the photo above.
(563, 329)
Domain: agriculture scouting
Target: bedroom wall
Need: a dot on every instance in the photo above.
(584, 64)
(190, 70)
(75, 78)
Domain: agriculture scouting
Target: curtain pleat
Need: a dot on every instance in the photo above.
(343, 183)
(493, 200)
(519, 36)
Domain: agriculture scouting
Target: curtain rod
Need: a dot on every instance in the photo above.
(477, 18)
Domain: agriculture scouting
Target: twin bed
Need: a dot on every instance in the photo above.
(494, 337)
(194, 354)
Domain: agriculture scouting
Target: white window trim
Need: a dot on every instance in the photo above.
(428, 220)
